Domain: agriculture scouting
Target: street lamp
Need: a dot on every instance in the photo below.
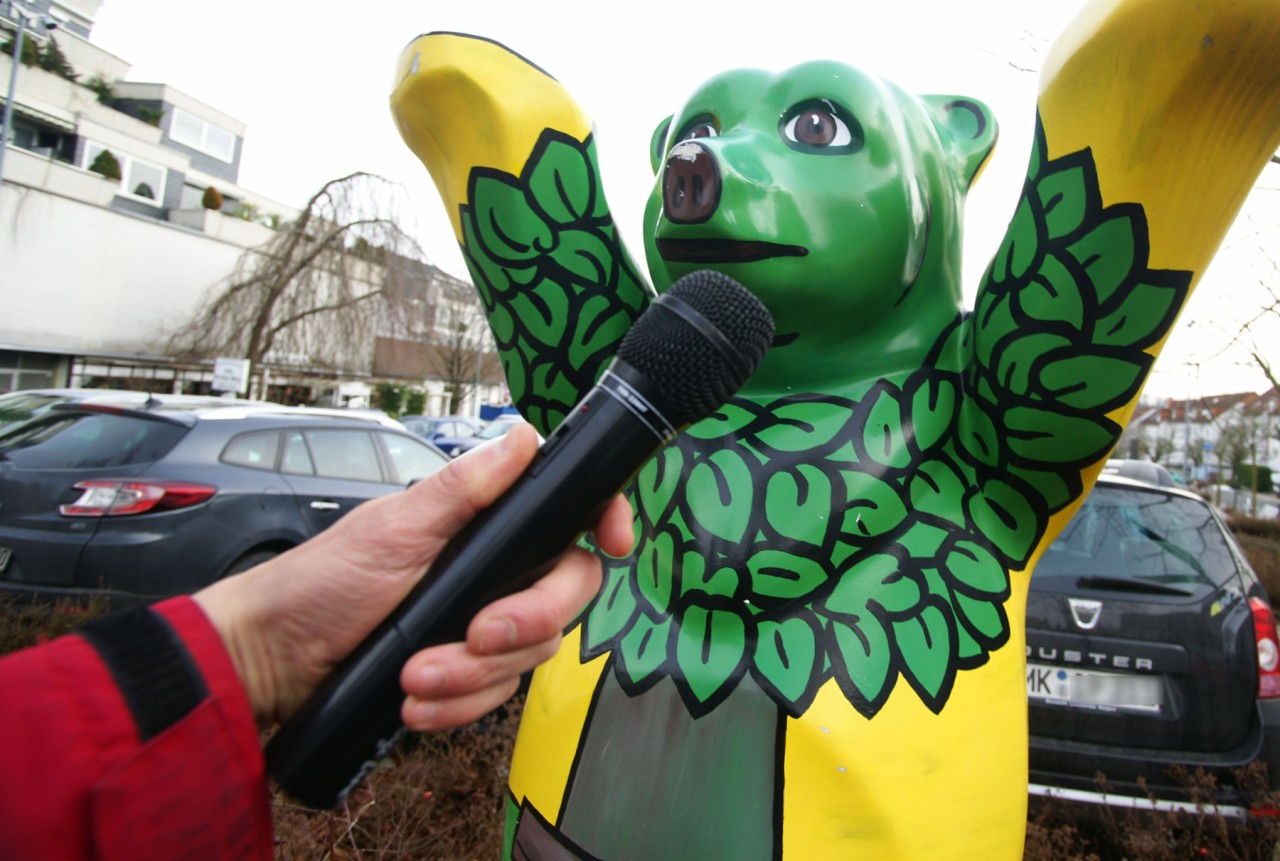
(16, 11)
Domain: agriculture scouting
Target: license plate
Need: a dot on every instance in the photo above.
(5, 555)
(1090, 689)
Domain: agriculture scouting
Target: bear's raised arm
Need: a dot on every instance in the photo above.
(514, 160)
(1154, 120)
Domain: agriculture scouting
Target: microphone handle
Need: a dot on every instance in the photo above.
(353, 719)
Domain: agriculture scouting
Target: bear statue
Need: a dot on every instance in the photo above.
(816, 647)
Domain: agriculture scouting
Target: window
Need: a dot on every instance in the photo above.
(345, 454)
(410, 459)
(139, 180)
(297, 458)
(254, 450)
(194, 132)
(86, 440)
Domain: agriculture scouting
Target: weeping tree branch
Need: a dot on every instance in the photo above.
(316, 291)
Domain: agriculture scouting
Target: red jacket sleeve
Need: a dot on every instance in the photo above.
(132, 740)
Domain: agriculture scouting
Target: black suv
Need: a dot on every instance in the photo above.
(140, 504)
(1150, 644)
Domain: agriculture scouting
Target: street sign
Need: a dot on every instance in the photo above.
(231, 375)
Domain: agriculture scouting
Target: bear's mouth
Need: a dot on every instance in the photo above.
(724, 250)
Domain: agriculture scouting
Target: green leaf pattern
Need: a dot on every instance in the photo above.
(857, 539)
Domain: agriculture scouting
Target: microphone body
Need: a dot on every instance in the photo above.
(353, 719)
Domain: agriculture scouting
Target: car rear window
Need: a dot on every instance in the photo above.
(89, 440)
(1140, 535)
(19, 406)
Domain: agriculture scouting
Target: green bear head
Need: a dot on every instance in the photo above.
(833, 195)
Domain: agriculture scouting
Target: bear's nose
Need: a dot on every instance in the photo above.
(690, 184)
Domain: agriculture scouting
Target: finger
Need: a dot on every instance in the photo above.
(400, 533)
(539, 612)
(614, 532)
(425, 715)
(451, 671)
(472, 482)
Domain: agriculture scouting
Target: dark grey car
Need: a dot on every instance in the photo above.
(1151, 648)
(141, 504)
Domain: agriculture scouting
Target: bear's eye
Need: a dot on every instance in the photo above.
(821, 126)
(818, 128)
(702, 130)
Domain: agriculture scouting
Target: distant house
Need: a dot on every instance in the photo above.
(1209, 435)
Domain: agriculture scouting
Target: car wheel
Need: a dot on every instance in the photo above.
(249, 560)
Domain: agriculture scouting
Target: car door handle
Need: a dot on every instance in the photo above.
(325, 505)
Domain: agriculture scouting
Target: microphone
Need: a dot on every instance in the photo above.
(681, 360)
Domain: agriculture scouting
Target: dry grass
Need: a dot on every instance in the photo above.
(442, 799)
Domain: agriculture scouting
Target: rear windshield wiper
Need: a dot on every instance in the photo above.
(1129, 584)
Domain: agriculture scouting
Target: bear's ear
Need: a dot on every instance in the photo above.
(968, 130)
(658, 144)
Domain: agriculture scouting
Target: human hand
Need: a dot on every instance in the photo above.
(288, 622)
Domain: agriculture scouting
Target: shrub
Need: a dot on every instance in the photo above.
(211, 199)
(415, 401)
(150, 115)
(102, 87)
(53, 60)
(389, 397)
(107, 165)
(1259, 538)
(30, 51)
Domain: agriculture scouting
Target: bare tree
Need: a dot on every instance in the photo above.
(315, 293)
(461, 354)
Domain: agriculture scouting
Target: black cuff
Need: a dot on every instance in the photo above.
(151, 666)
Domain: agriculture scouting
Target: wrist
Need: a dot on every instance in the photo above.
(240, 628)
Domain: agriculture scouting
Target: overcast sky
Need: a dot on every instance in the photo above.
(311, 81)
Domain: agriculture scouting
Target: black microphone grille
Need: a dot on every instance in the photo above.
(699, 342)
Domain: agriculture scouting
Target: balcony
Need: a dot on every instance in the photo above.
(40, 171)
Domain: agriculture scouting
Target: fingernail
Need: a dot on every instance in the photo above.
(429, 679)
(497, 636)
(422, 712)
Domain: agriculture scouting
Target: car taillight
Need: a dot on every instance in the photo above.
(1264, 631)
(117, 498)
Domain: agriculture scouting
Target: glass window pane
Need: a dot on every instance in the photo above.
(345, 454)
(144, 180)
(220, 143)
(297, 460)
(86, 440)
(256, 450)
(186, 129)
(410, 459)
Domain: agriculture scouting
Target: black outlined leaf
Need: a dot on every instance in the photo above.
(1063, 199)
(799, 504)
(803, 426)
(1108, 251)
(782, 575)
(563, 183)
(862, 662)
(613, 609)
(787, 656)
(977, 571)
(926, 643)
(1050, 437)
(877, 581)
(1143, 317)
(725, 492)
(507, 229)
(710, 650)
(645, 648)
(1092, 382)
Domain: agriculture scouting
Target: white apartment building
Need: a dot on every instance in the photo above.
(96, 272)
